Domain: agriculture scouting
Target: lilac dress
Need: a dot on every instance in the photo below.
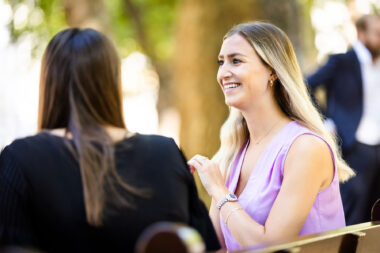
(265, 182)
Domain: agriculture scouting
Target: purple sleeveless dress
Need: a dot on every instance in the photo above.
(265, 182)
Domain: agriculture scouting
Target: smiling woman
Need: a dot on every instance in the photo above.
(277, 172)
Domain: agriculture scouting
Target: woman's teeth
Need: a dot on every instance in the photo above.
(230, 86)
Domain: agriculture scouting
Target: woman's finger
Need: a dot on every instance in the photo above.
(192, 169)
(194, 163)
(201, 158)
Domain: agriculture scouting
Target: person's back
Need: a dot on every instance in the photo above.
(81, 185)
(43, 179)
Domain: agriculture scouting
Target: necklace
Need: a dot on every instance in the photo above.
(266, 134)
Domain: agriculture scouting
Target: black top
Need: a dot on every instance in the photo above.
(41, 195)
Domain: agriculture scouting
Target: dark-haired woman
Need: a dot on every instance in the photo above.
(84, 183)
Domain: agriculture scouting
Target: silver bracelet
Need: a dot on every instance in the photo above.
(230, 197)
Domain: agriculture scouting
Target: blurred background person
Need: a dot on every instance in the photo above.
(352, 84)
(85, 183)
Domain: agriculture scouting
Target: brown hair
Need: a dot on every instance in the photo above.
(362, 22)
(80, 91)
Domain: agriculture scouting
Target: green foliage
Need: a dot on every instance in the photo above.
(121, 27)
(37, 19)
(157, 18)
(46, 17)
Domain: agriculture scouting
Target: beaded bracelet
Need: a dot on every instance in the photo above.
(231, 212)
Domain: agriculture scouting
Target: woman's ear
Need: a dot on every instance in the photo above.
(273, 76)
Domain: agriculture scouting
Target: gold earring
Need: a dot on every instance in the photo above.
(271, 83)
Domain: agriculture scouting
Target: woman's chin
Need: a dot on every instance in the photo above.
(232, 103)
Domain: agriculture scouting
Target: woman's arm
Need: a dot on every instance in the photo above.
(15, 222)
(308, 169)
(214, 215)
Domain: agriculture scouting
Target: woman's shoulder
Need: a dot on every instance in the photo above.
(23, 153)
(153, 137)
(156, 151)
(296, 128)
(154, 147)
(297, 132)
(31, 143)
(154, 141)
(311, 152)
(309, 143)
(301, 140)
(301, 143)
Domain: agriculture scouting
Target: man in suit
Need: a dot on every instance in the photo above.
(352, 84)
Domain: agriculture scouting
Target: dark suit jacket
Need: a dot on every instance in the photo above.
(342, 80)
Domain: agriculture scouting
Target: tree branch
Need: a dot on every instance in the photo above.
(134, 12)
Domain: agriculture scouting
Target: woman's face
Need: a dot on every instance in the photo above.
(242, 75)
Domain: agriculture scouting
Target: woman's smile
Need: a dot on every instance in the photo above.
(229, 86)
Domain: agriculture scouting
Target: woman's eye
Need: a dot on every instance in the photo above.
(236, 61)
(220, 62)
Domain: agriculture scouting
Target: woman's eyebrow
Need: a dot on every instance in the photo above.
(231, 55)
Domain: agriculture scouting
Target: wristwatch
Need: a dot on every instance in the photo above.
(230, 197)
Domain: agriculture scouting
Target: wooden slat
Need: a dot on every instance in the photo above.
(339, 240)
(369, 241)
(361, 238)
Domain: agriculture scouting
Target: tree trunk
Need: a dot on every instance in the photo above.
(199, 35)
(86, 13)
(293, 16)
(135, 13)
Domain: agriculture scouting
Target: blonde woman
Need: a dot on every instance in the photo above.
(277, 172)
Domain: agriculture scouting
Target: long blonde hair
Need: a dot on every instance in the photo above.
(275, 50)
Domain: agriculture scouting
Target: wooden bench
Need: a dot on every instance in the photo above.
(369, 241)
(363, 238)
(350, 239)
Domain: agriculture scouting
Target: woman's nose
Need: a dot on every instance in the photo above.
(224, 72)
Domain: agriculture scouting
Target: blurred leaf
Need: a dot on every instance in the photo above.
(52, 20)
(157, 17)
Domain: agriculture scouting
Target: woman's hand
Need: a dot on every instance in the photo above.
(210, 175)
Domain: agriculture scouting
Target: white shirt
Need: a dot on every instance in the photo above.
(368, 131)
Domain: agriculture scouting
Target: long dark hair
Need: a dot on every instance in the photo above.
(80, 91)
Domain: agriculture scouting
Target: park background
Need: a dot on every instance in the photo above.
(168, 50)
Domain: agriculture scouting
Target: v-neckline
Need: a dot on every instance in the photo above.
(242, 157)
